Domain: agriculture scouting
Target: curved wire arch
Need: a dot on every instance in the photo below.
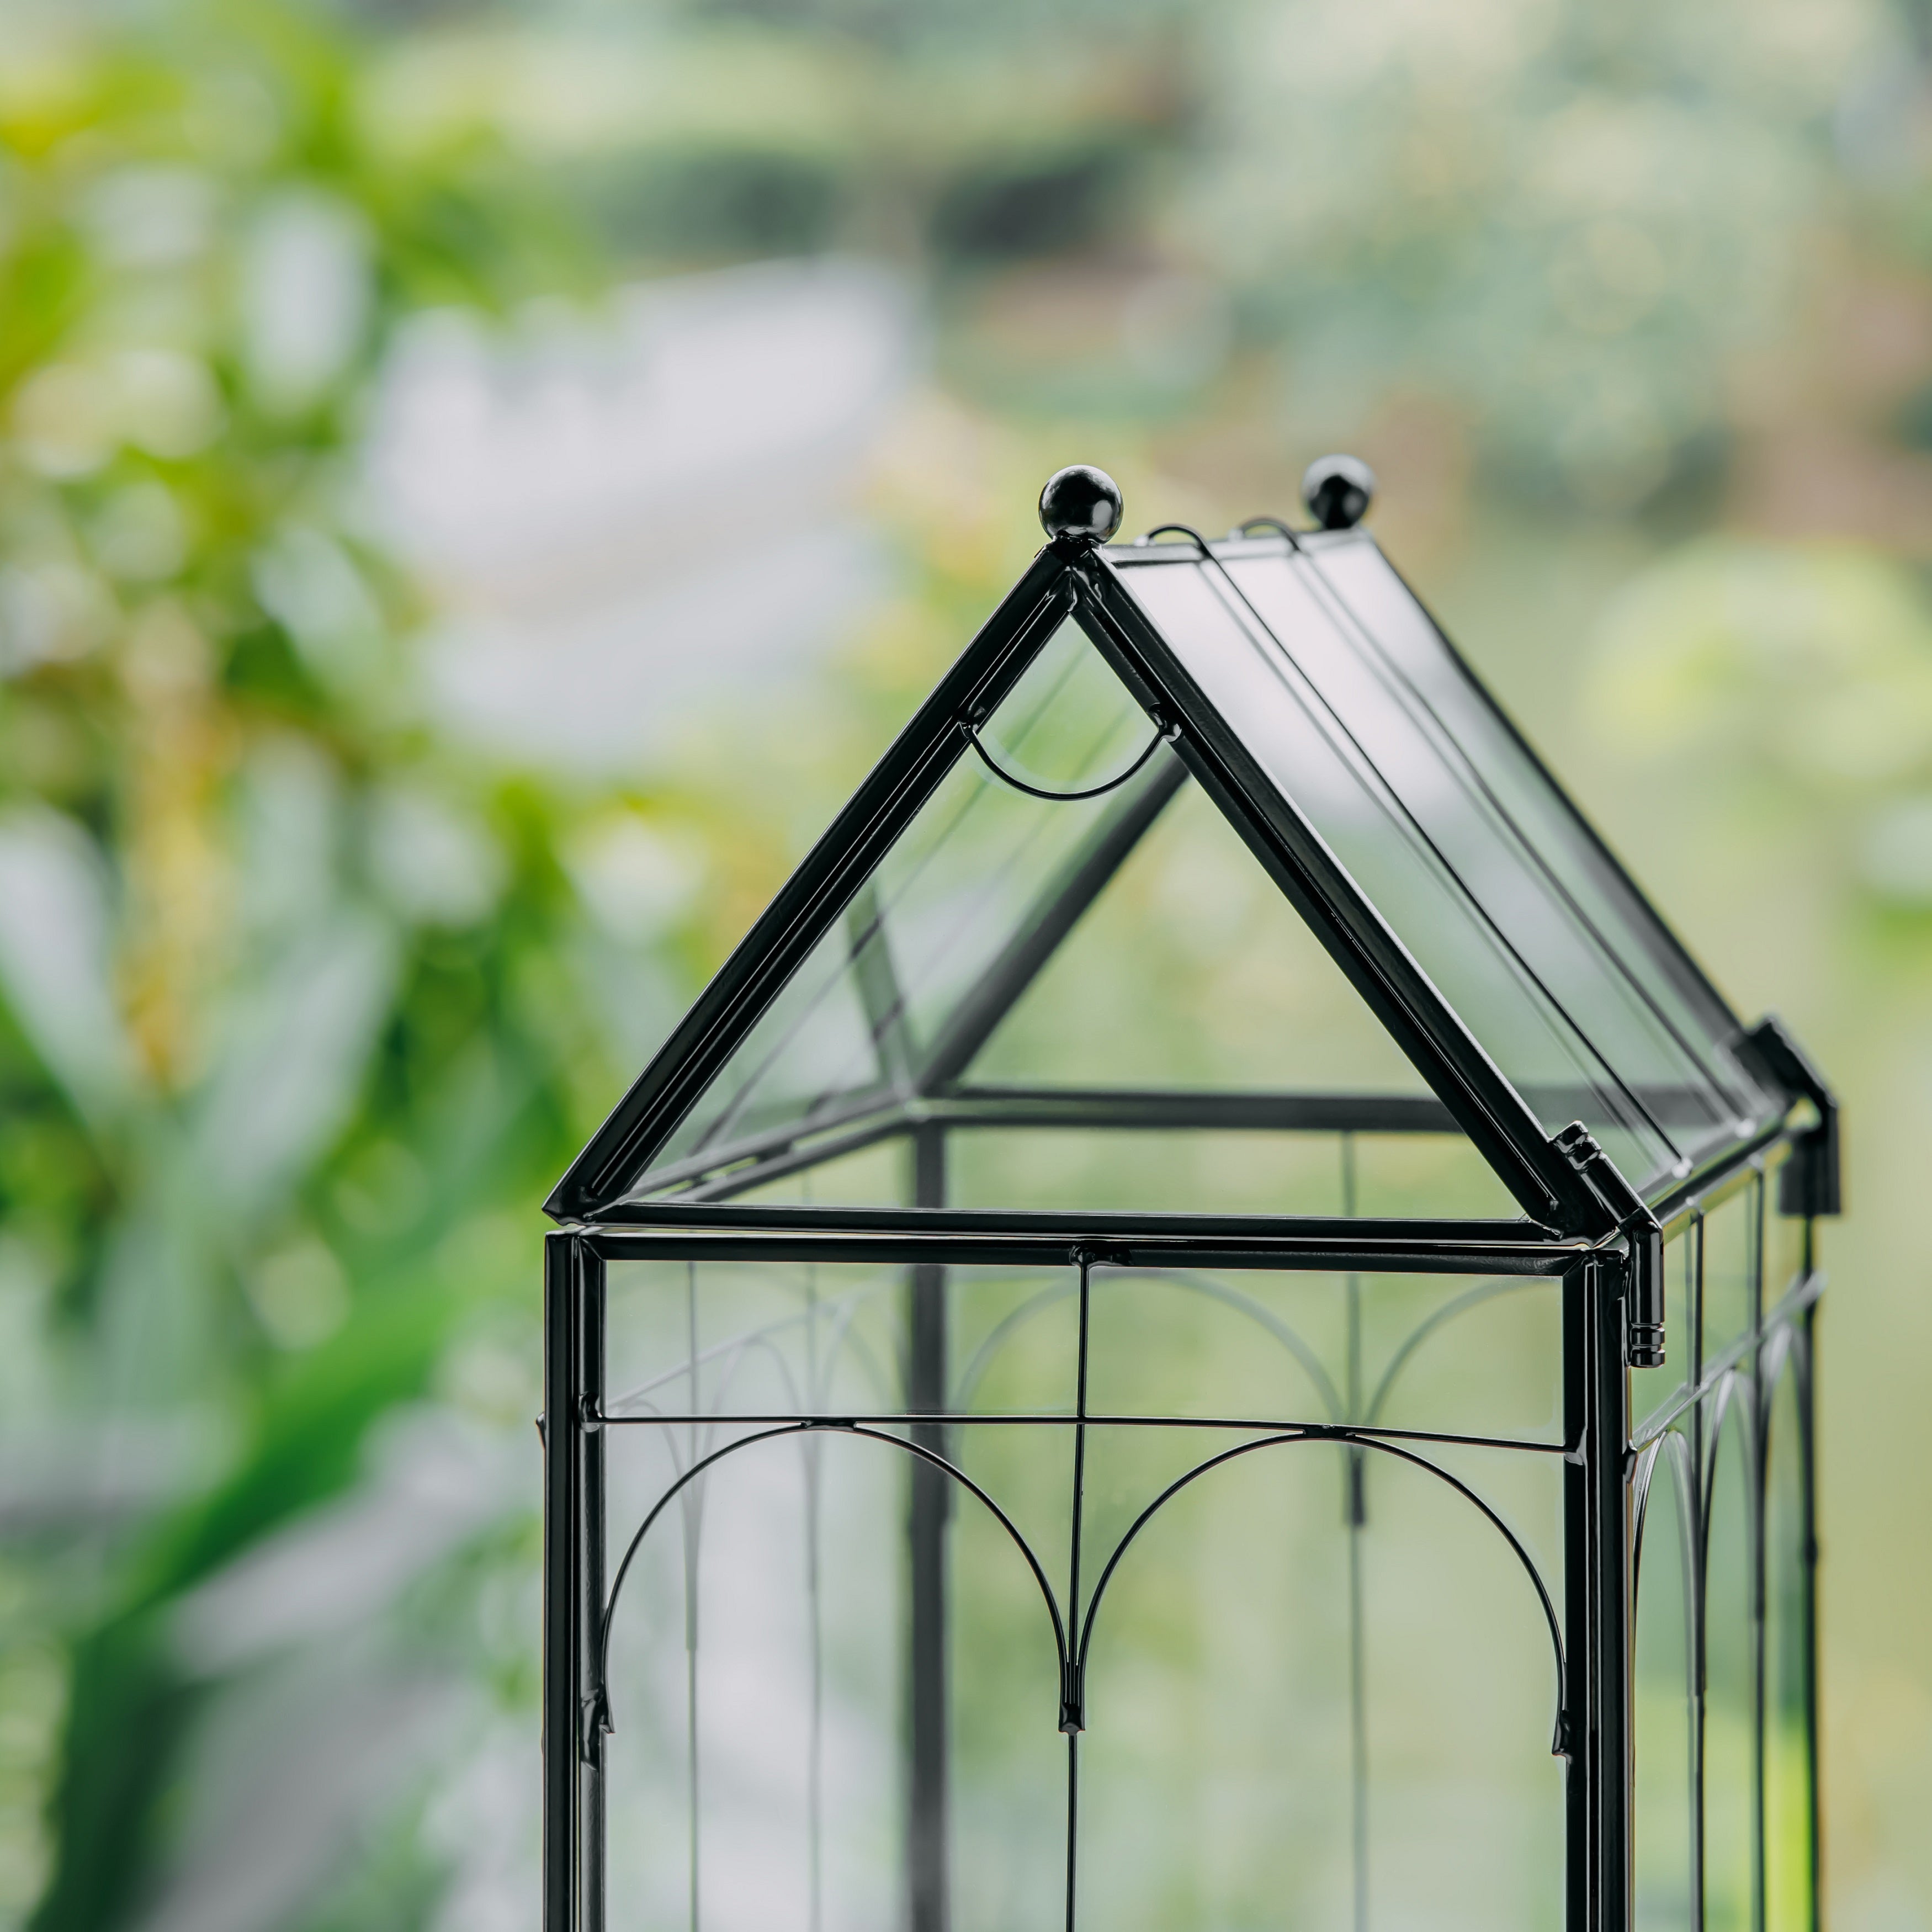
(1560, 1745)
(1163, 734)
(1275, 524)
(1735, 1396)
(1782, 1352)
(1672, 1447)
(608, 1618)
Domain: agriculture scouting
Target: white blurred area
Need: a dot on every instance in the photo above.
(621, 518)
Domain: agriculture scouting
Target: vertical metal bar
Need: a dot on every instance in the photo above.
(690, 1515)
(1754, 1477)
(563, 1615)
(1072, 1827)
(1700, 1491)
(1578, 1915)
(1611, 1495)
(590, 1438)
(1606, 1500)
(810, 1445)
(1073, 1696)
(1693, 1240)
(1808, 1436)
(928, 1877)
(1354, 1460)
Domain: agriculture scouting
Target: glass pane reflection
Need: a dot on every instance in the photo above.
(1665, 1815)
(1788, 1877)
(1730, 1825)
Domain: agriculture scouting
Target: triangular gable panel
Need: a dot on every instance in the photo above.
(907, 980)
(888, 999)
(1326, 681)
(1502, 952)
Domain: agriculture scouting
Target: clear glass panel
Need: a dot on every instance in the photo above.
(1302, 1712)
(1007, 1760)
(760, 1659)
(1784, 1246)
(1192, 970)
(725, 1339)
(1513, 956)
(1395, 634)
(1427, 1352)
(981, 863)
(1319, 1674)
(1665, 1813)
(1652, 1390)
(1730, 1824)
(1208, 1172)
(1788, 1875)
(722, 1338)
(755, 1666)
(1731, 1237)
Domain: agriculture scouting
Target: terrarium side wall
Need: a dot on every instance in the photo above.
(1725, 1804)
(1317, 1672)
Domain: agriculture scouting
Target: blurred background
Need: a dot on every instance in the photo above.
(478, 484)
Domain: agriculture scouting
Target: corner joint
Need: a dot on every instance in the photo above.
(1643, 1306)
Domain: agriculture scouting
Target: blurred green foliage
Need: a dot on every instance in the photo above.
(298, 1012)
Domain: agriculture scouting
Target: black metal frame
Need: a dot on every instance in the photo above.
(1583, 1225)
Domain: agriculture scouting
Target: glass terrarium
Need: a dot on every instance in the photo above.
(1208, 1324)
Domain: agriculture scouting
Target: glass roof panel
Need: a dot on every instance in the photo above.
(1379, 609)
(1460, 879)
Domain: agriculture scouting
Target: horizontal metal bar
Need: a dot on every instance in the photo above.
(1141, 1108)
(876, 1115)
(1340, 1431)
(693, 1231)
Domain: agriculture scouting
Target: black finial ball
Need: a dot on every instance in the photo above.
(1081, 501)
(1338, 490)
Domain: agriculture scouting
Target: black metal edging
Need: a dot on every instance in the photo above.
(1486, 1107)
(572, 1565)
(1132, 1109)
(816, 894)
(686, 1231)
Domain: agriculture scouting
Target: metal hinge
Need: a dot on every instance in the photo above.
(1643, 1303)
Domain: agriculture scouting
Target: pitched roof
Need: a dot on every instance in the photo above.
(1296, 678)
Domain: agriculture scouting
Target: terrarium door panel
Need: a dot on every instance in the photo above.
(1122, 1633)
